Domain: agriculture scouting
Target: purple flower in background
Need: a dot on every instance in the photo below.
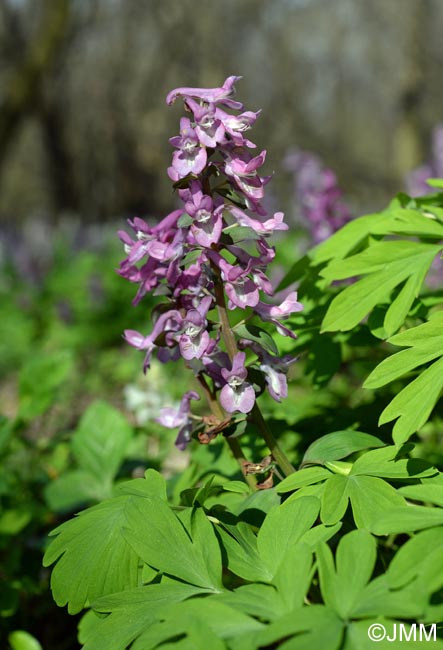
(416, 180)
(318, 195)
(173, 418)
(237, 394)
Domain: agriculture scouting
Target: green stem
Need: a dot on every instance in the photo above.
(277, 452)
(232, 349)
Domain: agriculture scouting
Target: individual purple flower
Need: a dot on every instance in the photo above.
(168, 321)
(173, 418)
(261, 228)
(274, 369)
(220, 95)
(243, 169)
(207, 221)
(208, 127)
(195, 341)
(275, 313)
(237, 394)
(236, 125)
(191, 157)
(240, 288)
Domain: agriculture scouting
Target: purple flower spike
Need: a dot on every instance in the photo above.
(237, 394)
(195, 259)
(209, 95)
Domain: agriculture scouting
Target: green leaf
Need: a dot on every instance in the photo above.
(334, 500)
(320, 534)
(101, 440)
(378, 599)
(382, 463)
(159, 539)
(40, 380)
(75, 488)
(409, 222)
(337, 445)
(21, 640)
(200, 623)
(426, 492)
(307, 476)
(303, 629)
(355, 561)
(204, 538)
(347, 238)
(414, 404)
(370, 497)
(283, 526)
(153, 485)
(410, 558)
(294, 576)
(435, 182)
(85, 548)
(425, 344)
(236, 486)
(242, 555)
(328, 581)
(406, 520)
(257, 334)
(132, 612)
(389, 264)
(259, 600)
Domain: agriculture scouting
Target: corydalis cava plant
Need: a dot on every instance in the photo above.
(206, 258)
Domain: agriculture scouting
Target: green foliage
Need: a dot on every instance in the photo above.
(262, 598)
(99, 446)
(190, 555)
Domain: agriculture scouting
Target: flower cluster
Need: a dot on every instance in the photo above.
(318, 195)
(211, 254)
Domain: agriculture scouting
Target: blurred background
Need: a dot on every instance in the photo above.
(83, 123)
(84, 134)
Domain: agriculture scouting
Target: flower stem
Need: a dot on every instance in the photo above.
(277, 452)
(232, 349)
